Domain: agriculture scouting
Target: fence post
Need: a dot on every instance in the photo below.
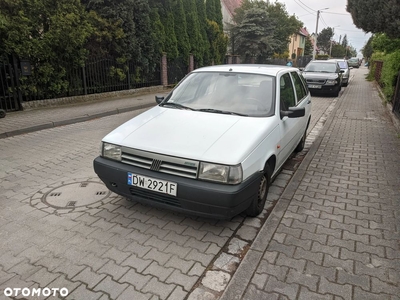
(191, 62)
(84, 80)
(164, 70)
(229, 57)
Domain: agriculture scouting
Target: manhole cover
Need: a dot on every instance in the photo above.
(76, 194)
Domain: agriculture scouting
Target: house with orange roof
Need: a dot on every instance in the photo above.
(297, 43)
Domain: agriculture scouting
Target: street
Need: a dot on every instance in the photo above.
(62, 228)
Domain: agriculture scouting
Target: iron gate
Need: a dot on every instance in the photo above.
(396, 99)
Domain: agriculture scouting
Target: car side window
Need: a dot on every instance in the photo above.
(298, 84)
(287, 97)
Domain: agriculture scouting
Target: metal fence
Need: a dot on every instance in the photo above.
(8, 86)
(99, 75)
(177, 69)
(396, 99)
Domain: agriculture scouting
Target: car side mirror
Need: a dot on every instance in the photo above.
(341, 71)
(294, 112)
(350, 68)
(159, 99)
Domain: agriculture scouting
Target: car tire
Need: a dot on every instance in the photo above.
(345, 84)
(257, 205)
(301, 144)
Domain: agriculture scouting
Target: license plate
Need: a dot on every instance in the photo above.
(156, 185)
(314, 86)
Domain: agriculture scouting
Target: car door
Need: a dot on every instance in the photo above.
(288, 126)
(303, 99)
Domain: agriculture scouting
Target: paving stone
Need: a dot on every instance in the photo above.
(178, 263)
(236, 246)
(327, 272)
(113, 270)
(297, 264)
(111, 287)
(178, 278)
(341, 290)
(274, 285)
(308, 280)
(226, 262)
(280, 272)
(305, 294)
(89, 278)
(362, 281)
(202, 294)
(361, 294)
(253, 293)
(82, 292)
(130, 293)
(158, 288)
(216, 280)
(300, 253)
(281, 248)
(158, 271)
(379, 286)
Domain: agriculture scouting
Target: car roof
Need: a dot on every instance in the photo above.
(271, 70)
(323, 61)
(337, 59)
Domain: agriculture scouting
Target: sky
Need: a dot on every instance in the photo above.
(335, 17)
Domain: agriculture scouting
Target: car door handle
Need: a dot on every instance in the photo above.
(309, 101)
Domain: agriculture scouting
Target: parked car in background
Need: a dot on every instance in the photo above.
(353, 62)
(344, 66)
(323, 77)
(213, 145)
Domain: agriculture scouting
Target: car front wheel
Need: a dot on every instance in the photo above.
(257, 206)
(302, 142)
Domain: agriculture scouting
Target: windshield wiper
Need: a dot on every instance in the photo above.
(177, 105)
(218, 111)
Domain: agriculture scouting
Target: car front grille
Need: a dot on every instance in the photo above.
(160, 163)
(317, 81)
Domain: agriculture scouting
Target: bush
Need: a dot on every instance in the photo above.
(322, 57)
(390, 71)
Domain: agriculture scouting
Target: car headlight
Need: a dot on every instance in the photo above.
(111, 151)
(221, 173)
(331, 81)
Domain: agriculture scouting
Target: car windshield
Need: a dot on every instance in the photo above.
(353, 60)
(342, 64)
(321, 67)
(226, 93)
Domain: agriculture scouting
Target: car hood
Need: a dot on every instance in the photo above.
(212, 137)
(319, 75)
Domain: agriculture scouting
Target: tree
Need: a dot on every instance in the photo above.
(345, 43)
(181, 33)
(308, 48)
(197, 44)
(375, 16)
(381, 42)
(284, 26)
(324, 39)
(273, 38)
(50, 34)
(254, 35)
(367, 50)
(338, 50)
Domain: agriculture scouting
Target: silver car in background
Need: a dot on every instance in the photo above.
(346, 68)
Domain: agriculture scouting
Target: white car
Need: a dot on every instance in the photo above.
(213, 145)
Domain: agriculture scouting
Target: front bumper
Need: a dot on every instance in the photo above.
(196, 197)
(325, 89)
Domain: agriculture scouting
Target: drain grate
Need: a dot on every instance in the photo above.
(101, 193)
(55, 194)
(84, 184)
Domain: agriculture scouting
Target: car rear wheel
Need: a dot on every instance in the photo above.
(257, 206)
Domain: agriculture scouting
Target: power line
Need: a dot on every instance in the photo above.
(307, 6)
(303, 7)
(333, 13)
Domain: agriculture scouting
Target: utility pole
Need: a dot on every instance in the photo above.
(316, 32)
